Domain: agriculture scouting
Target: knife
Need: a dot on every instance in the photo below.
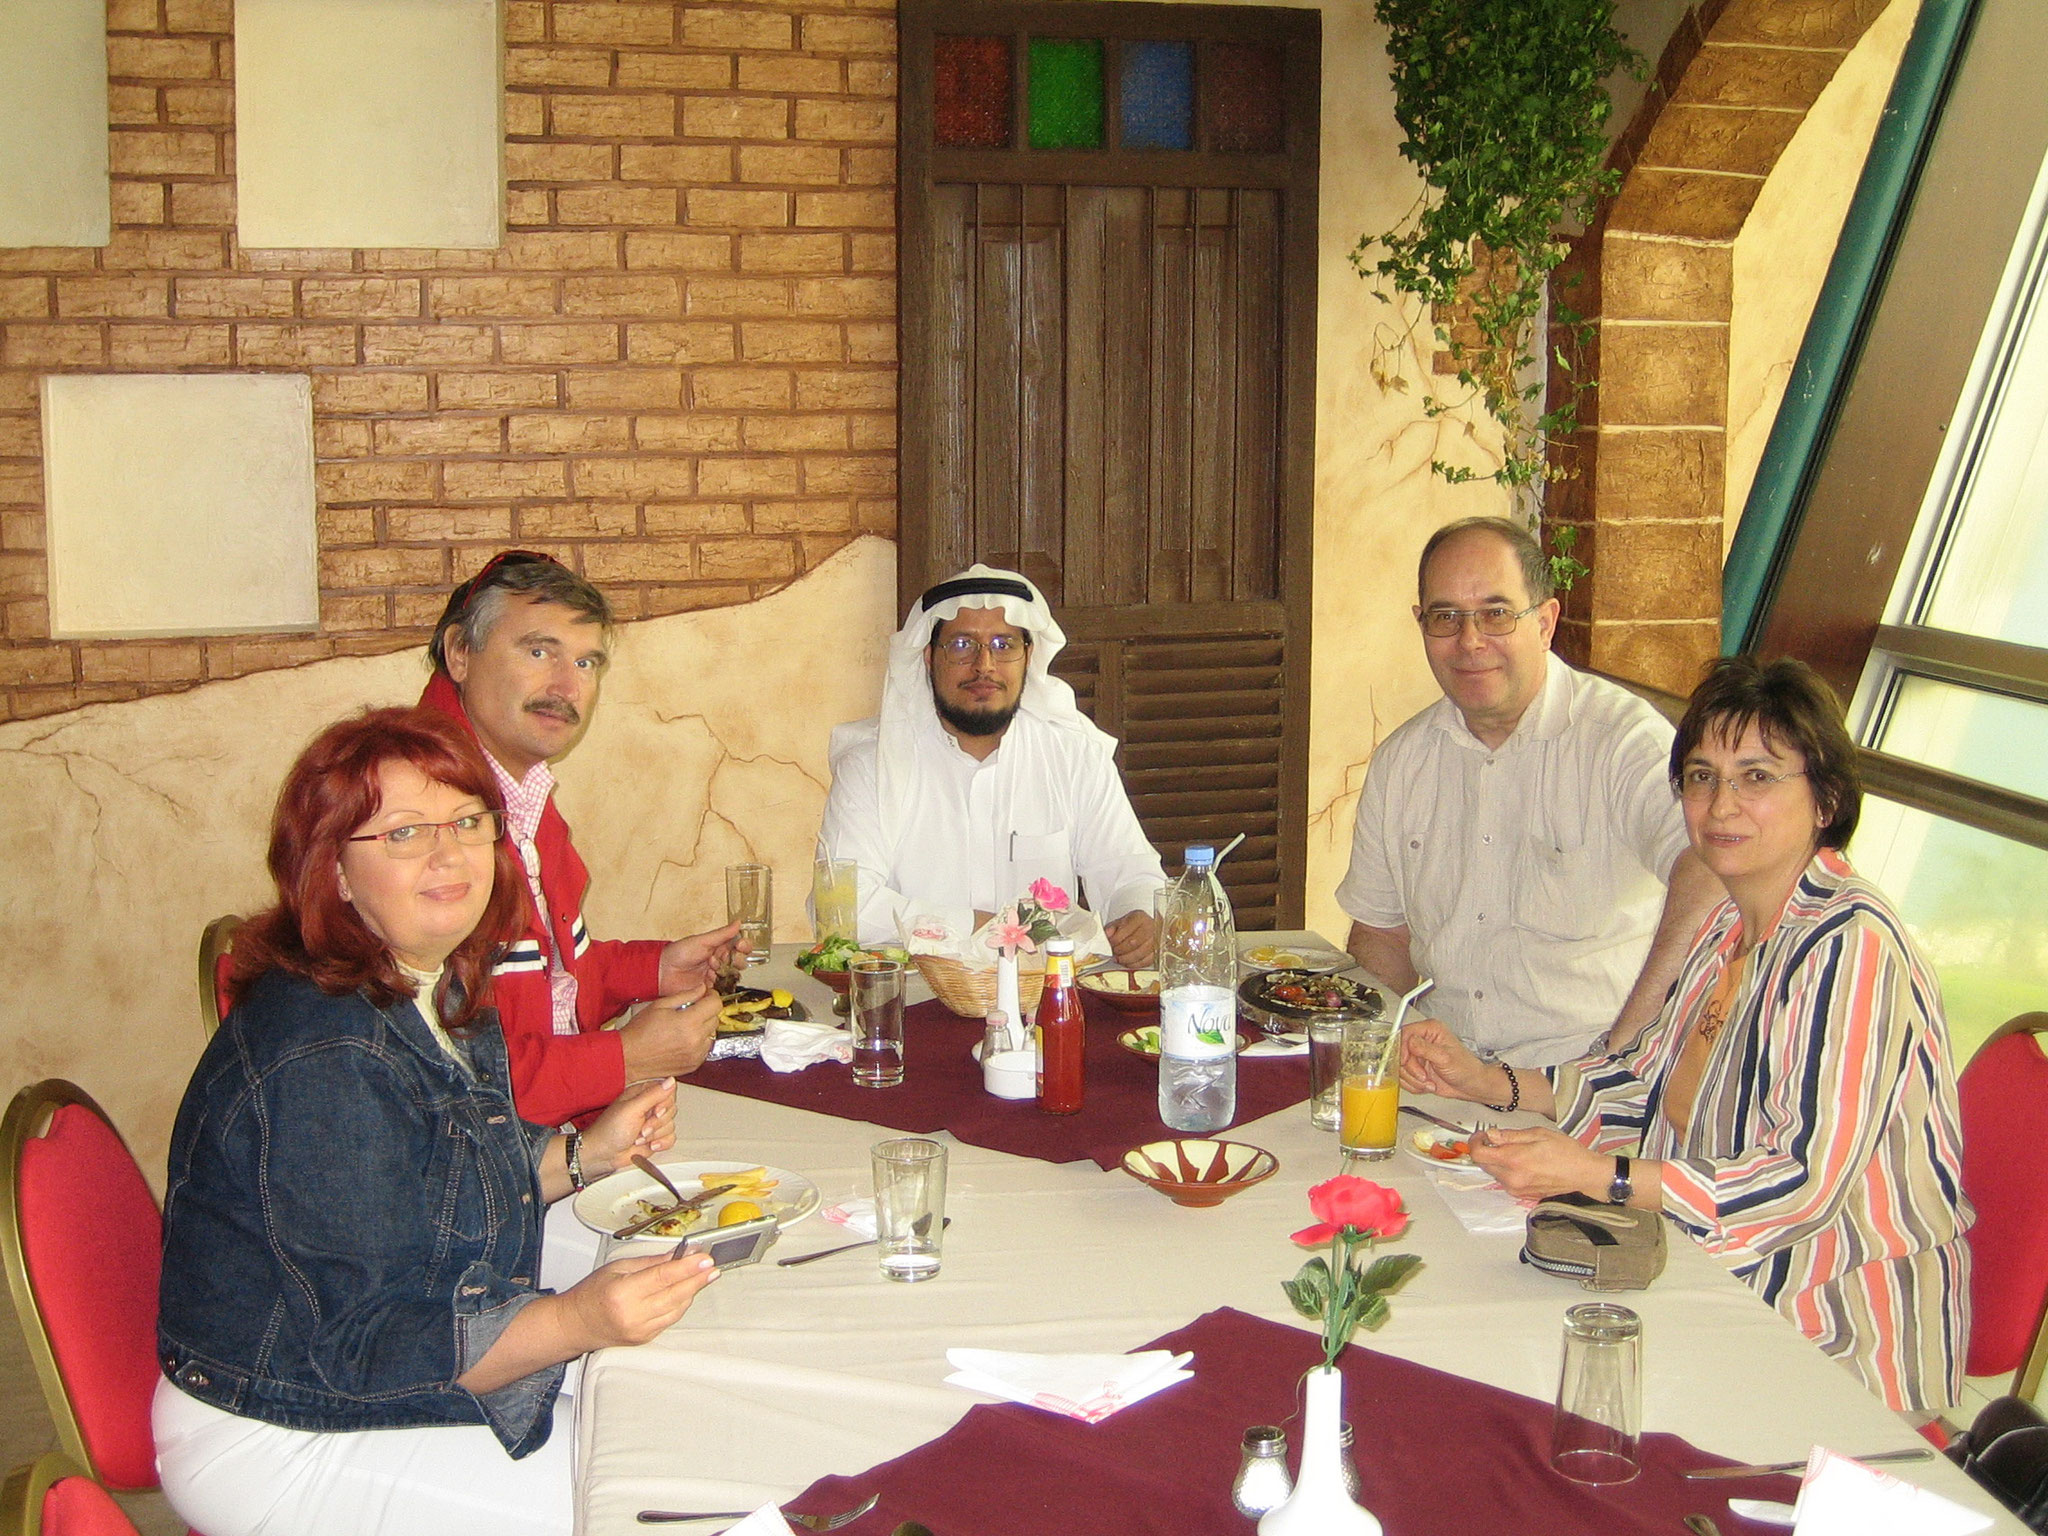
(635, 1228)
(1771, 1469)
(1423, 1114)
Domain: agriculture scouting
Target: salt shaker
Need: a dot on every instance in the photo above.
(1262, 1479)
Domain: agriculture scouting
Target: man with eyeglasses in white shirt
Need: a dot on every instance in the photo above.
(981, 775)
(1518, 840)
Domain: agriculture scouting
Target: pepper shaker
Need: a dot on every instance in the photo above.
(1262, 1482)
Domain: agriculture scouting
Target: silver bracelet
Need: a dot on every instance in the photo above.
(576, 1179)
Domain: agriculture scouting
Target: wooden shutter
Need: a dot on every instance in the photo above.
(1108, 384)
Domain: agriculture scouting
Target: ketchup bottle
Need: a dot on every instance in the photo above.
(1060, 1033)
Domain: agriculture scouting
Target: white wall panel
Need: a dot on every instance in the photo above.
(53, 123)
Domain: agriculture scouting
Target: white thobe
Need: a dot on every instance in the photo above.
(1047, 803)
(1530, 876)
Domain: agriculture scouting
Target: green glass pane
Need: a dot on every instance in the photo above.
(1066, 93)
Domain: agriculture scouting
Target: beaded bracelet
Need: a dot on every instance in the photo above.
(576, 1179)
(1515, 1095)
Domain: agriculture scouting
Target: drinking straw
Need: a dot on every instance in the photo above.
(1394, 1034)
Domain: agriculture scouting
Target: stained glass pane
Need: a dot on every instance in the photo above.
(1158, 100)
(1066, 93)
(971, 92)
(1241, 90)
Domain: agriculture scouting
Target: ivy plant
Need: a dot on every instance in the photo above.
(1503, 106)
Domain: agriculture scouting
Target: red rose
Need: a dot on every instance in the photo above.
(1347, 1201)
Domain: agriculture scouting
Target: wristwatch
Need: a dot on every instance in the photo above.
(1619, 1189)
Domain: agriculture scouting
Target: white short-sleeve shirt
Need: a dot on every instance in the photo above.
(1531, 876)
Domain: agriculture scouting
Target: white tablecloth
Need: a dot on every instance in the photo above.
(779, 1376)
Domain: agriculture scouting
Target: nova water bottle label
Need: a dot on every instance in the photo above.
(1197, 1022)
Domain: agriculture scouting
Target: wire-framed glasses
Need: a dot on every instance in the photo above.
(1444, 623)
(417, 840)
(1698, 783)
(966, 648)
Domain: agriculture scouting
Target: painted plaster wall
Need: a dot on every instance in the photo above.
(125, 827)
(1782, 254)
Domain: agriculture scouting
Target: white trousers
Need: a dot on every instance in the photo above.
(230, 1476)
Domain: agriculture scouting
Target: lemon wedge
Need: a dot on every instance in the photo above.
(780, 998)
(736, 1211)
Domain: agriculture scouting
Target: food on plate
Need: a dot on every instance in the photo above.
(736, 1211)
(839, 952)
(750, 1189)
(1305, 994)
(1144, 1040)
(746, 1007)
(1273, 957)
(1122, 981)
(1445, 1149)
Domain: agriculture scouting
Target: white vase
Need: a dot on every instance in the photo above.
(1320, 1505)
(1007, 995)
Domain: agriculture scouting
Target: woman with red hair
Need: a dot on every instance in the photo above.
(351, 1326)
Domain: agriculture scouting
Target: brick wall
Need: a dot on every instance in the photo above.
(677, 374)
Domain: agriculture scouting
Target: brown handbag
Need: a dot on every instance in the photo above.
(1603, 1247)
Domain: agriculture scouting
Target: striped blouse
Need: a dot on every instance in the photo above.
(1823, 1159)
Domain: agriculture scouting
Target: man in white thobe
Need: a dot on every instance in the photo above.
(981, 775)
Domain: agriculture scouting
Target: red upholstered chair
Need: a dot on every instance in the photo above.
(2004, 1092)
(214, 945)
(82, 1242)
(52, 1497)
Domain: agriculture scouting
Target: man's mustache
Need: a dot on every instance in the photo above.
(560, 709)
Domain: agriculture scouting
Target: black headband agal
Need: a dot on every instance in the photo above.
(974, 586)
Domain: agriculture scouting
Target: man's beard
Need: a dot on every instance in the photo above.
(976, 722)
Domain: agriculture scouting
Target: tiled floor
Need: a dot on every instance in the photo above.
(26, 1432)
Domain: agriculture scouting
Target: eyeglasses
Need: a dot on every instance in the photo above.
(1749, 784)
(419, 839)
(1445, 623)
(965, 648)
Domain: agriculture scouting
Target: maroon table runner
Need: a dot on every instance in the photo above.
(1437, 1455)
(941, 1091)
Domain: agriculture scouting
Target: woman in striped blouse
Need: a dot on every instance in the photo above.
(1793, 1108)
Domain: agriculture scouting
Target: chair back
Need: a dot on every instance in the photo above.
(82, 1242)
(2004, 1098)
(214, 945)
(51, 1496)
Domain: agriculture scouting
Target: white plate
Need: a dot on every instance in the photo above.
(1418, 1144)
(614, 1200)
(1312, 958)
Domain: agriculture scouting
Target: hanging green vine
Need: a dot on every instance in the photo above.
(1503, 104)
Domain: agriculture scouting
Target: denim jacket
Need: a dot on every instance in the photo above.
(350, 1222)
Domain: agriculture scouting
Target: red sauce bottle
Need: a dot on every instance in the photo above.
(1061, 1033)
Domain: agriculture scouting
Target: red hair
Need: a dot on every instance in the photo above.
(331, 790)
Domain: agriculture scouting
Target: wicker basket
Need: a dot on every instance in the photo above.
(970, 991)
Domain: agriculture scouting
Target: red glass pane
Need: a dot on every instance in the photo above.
(1246, 114)
(971, 106)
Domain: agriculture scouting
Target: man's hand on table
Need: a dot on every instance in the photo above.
(1134, 940)
(688, 965)
(671, 1035)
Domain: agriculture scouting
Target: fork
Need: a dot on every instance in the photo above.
(808, 1522)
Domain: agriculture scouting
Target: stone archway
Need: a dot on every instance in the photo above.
(1655, 272)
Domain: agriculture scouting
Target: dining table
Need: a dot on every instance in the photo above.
(779, 1377)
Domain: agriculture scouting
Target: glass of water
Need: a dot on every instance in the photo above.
(876, 988)
(750, 902)
(910, 1206)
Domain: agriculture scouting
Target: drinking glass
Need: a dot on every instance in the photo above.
(876, 987)
(1325, 1071)
(1596, 1436)
(835, 898)
(1370, 1096)
(750, 902)
(910, 1206)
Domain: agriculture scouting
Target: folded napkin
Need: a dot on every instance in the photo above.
(857, 1216)
(1481, 1206)
(1841, 1497)
(1085, 1387)
(788, 1045)
(1271, 1047)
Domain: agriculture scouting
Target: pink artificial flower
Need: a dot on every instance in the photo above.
(1348, 1201)
(1005, 932)
(1050, 896)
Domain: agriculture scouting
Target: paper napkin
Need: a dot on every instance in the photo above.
(857, 1216)
(1481, 1206)
(765, 1521)
(1271, 1047)
(1085, 1387)
(1841, 1497)
(788, 1045)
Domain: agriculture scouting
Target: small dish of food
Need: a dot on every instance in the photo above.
(1433, 1146)
(1313, 958)
(1127, 991)
(627, 1195)
(1144, 1041)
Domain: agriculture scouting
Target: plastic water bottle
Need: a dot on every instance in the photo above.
(1197, 1000)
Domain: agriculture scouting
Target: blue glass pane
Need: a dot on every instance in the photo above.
(1158, 96)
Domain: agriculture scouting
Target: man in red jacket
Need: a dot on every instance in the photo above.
(518, 658)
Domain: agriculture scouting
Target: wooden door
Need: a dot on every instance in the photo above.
(1108, 380)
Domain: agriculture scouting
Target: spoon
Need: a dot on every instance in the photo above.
(1702, 1525)
(646, 1166)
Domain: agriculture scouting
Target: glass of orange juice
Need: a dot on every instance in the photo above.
(1370, 1098)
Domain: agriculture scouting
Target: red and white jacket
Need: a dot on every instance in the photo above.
(559, 1077)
